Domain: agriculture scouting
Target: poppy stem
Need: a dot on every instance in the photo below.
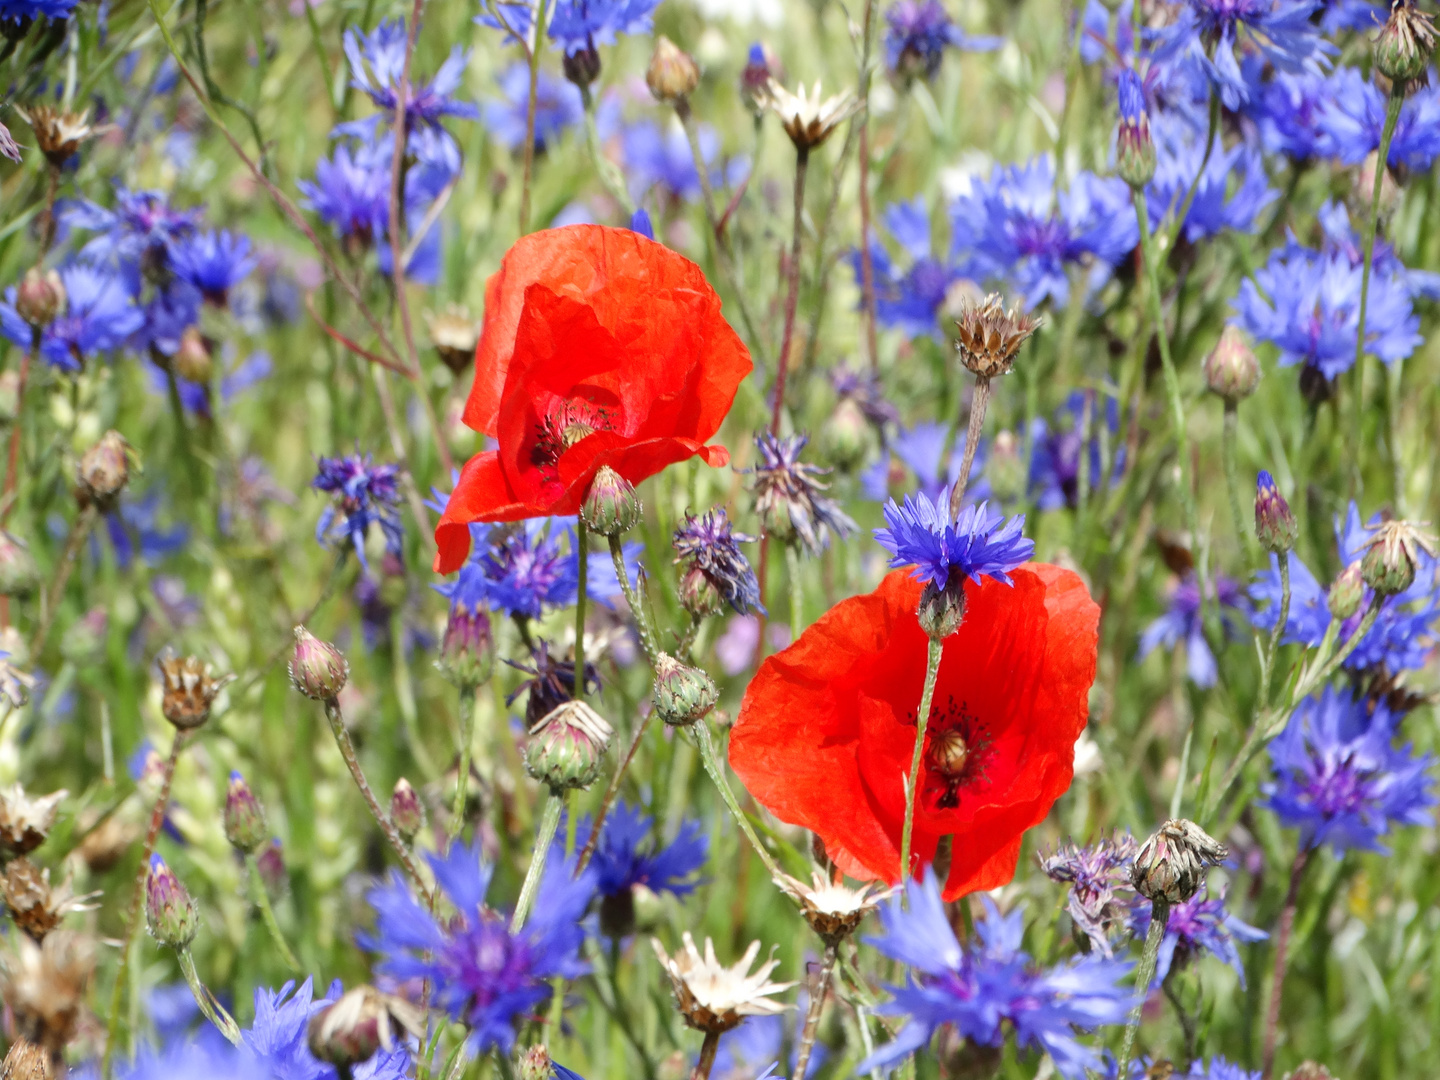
(797, 594)
(717, 774)
(582, 562)
(1282, 949)
(792, 292)
(979, 402)
(467, 735)
(1144, 975)
(812, 1014)
(922, 721)
(549, 823)
(637, 609)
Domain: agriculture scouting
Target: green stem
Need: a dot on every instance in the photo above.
(1232, 482)
(797, 601)
(347, 751)
(78, 532)
(922, 721)
(717, 774)
(1214, 130)
(1282, 949)
(609, 175)
(462, 782)
(611, 791)
(582, 547)
(267, 913)
(637, 609)
(792, 290)
(1392, 116)
(1283, 618)
(1144, 975)
(213, 1010)
(533, 49)
(549, 823)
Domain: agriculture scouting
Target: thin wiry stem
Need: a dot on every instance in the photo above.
(267, 913)
(1282, 949)
(532, 49)
(792, 291)
(922, 721)
(611, 791)
(549, 823)
(78, 532)
(817, 1005)
(716, 769)
(1144, 975)
(213, 1010)
(978, 403)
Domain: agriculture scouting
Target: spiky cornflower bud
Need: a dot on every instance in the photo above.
(1134, 148)
(683, 694)
(104, 471)
(611, 506)
(1393, 555)
(535, 1063)
(170, 914)
(1275, 526)
(18, 573)
(317, 669)
(1170, 866)
(989, 336)
(454, 333)
(1402, 51)
(566, 747)
(1347, 592)
(942, 608)
(1231, 369)
(467, 650)
(40, 297)
(244, 817)
(673, 74)
(406, 811)
(187, 690)
(192, 360)
(361, 1023)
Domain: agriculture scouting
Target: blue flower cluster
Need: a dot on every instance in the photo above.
(1183, 621)
(365, 494)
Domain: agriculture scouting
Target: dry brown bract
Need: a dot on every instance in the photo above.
(44, 986)
(58, 132)
(833, 909)
(808, 119)
(989, 336)
(714, 998)
(26, 822)
(34, 905)
(1171, 864)
(187, 690)
(26, 1061)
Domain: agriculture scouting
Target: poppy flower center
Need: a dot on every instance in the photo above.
(566, 423)
(956, 744)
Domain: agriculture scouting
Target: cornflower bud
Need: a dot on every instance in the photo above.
(192, 360)
(611, 506)
(170, 914)
(361, 1023)
(582, 68)
(406, 811)
(755, 78)
(698, 595)
(942, 610)
(467, 651)
(673, 74)
(1231, 369)
(104, 471)
(18, 572)
(317, 669)
(846, 437)
(566, 747)
(1347, 592)
(683, 694)
(1275, 525)
(1402, 51)
(244, 817)
(187, 691)
(1134, 148)
(1170, 866)
(40, 297)
(1392, 556)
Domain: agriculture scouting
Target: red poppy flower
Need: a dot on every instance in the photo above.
(827, 727)
(599, 347)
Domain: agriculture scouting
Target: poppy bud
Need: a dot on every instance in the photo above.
(1231, 369)
(244, 816)
(317, 669)
(673, 74)
(186, 690)
(271, 862)
(406, 812)
(698, 594)
(1275, 525)
(355, 1028)
(942, 610)
(192, 360)
(567, 745)
(84, 639)
(1347, 592)
(169, 912)
(40, 297)
(846, 437)
(683, 694)
(454, 334)
(105, 470)
(1170, 866)
(18, 572)
(582, 68)
(1402, 51)
(611, 506)
(1134, 148)
(467, 651)
(535, 1063)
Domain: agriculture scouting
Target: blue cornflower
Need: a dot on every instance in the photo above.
(627, 855)
(277, 1041)
(1096, 39)
(1352, 114)
(706, 545)
(139, 234)
(787, 495)
(1288, 112)
(1218, 1068)
(1207, 33)
(908, 300)
(351, 192)
(557, 107)
(1200, 925)
(1351, 15)
(16, 11)
(1182, 622)
(213, 1059)
(172, 1009)
(1340, 779)
(1307, 303)
(481, 974)
(980, 988)
(578, 25)
(213, 262)
(976, 545)
(99, 316)
(917, 35)
(1100, 899)
(522, 569)
(661, 157)
(1180, 149)
(1009, 230)
(367, 494)
(1057, 447)
(135, 528)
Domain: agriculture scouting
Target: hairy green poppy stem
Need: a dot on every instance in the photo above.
(922, 721)
(716, 769)
(467, 736)
(549, 824)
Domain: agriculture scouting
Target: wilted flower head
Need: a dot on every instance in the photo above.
(712, 567)
(1095, 875)
(25, 822)
(788, 499)
(187, 689)
(833, 909)
(565, 748)
(45, 985)
(454, 333)
(990, 336)
(809, 120)
(714, 998)
(34, 904)
(673, 74)
(551, 683)
(59, 132)
(1393, 555)
(366, 494)
(104, 471)
(1171, 864)
(359, 1025)
(1402, 51)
